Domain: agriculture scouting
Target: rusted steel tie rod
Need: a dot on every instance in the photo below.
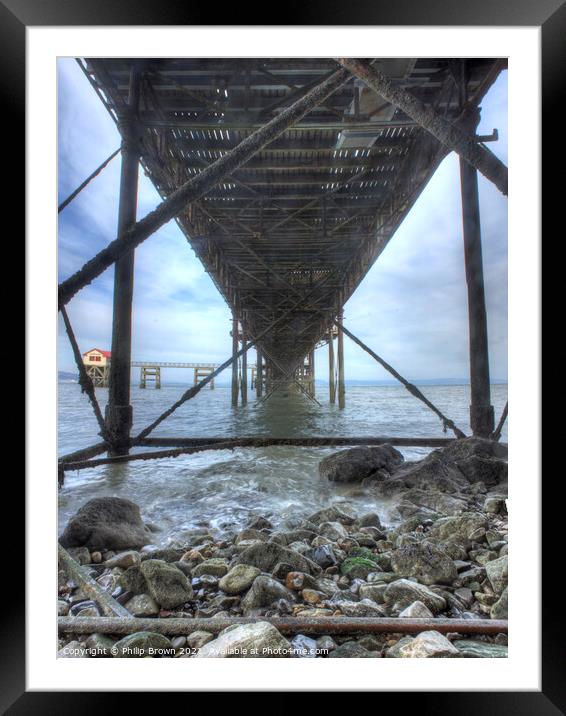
(190, 446)
(87, 181)
(286, 625)
(448, 134)
(198, 186)
(75, 571)
(497, 432)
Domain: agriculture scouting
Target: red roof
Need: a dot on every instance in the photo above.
(106, 354)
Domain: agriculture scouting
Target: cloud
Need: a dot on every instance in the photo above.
(411, 307)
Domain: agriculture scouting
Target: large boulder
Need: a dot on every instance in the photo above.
(462, 530)
(106, 523)
(166, 584)
(259, 640)
(355, 464)
(425, 561)
(453, 468)
(265, 555)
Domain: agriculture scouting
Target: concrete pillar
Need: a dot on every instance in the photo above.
(341, 382)
(119, 414)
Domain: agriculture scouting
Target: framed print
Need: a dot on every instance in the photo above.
(297, 273)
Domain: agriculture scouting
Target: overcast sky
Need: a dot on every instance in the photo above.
(411, 308)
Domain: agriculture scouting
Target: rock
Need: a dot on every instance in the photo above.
(416, 610)
(499, 609)
(333, 530)
(299, 581)
(494, 505)
(298, 535)
(96, 557)
(215, 566)
(357, 567)
(266, 555)
(363, 608)
(403, 592)
(312, 596)
(80, 554)
(258, 640)
(86, 608)
(100, 646)
(491, 471)
(251, 534)
(106, 523)
(480, 649)
(124, 560)
(132, 580)
(370, 519)
(264, 591)
(303, 647)
(351, 650)
(496, 571)
(257, 522)
(143, 643)
(325, 645)
(464, 529)
(355, 464)
(238, 579)
(324, 555)
(425, 561)
(374, 592)
(62, 608)
(438, 501)
(428, 645)
(197, 639)
(73, 650)
(142, 605)
(166, 584)
(394, 651)
(334, 513)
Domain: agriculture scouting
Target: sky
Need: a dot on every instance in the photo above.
(411, 307)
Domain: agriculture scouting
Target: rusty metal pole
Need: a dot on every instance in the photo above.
(259, 374)
(331, 377)
(244, 385)
(341, 383)
(482, 418)
(119, 413)
(235, 361)
(312, 377)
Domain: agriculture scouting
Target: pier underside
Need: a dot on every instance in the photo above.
(290, 233)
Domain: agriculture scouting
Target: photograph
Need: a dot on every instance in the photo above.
(282, 411)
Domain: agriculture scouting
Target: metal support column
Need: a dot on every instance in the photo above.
(259, 374)
(244, 386)
(482, 419)
(235, 363)
(119, 414)
(312, 376)
(331, 376)
(341, 383)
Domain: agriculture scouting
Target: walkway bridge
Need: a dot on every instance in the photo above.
(288, 178)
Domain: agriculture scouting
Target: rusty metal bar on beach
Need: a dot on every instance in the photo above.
(448, 134)
(189, 446)
(77, 572)
(178, 626)
(196, 187)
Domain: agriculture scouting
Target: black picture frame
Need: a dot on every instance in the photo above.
(550, 15)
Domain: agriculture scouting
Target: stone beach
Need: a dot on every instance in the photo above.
(444, 554)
